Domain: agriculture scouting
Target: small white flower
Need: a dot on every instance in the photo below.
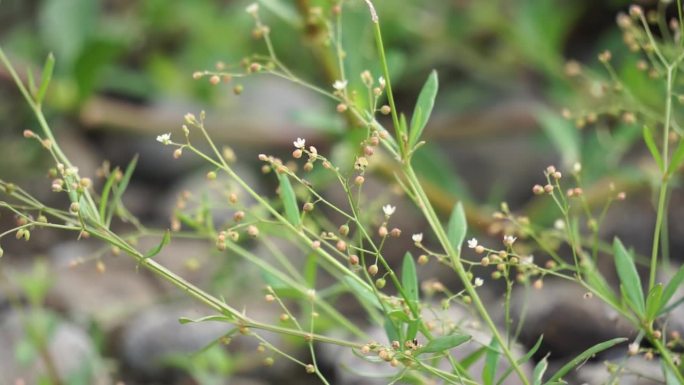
(388, 210)
(417, 238)
(527, 260)
(559, 224)
(508, 240)
(478, 282)
(472, 243)
(577, 167)
(633, 349)
(382, 81)
(252, 9)
(340, 85)
(164, 138)
(299, 143)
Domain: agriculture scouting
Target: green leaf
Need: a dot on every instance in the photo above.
(104, 198)
(672, 286)
(653, 302)
(491, 363)
(409, 278)
(284, 10)
(289, 199)
(522, 360)
(677, 158)
(423, 109)
(393, 332)
(587, 354)
(472, 358)
(652, 147)
(45, 78)
(362, 294)
(562, 134)
(120, 189)
(412, 329)
(539, 370)
(457, 227)
(629, 277)
(164, 241)
(219, 318)
(310, 269)
(670, 377)
(444, 343)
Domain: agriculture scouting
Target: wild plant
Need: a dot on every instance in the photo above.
(348, 241)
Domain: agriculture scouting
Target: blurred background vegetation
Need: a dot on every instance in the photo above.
(124, 75)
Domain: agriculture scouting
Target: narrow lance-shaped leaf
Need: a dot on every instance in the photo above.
(444, 343)
(491, 363)
(677, 158)
(423, 108)
(521, 360)
(539, 370)
(653, 302)
(652, 148)
(585, 355)
(457, 227)
(409, 278)
(672, 286)
(120, 189)
(289, 200)
(629, 277)
(219, 318)
(45, 78)
(157, 249)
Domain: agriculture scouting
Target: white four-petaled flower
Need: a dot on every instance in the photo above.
(478, 282)
(382, 82)
(388, 210)
(164, 138)
(508, 240)
(417, 238)
(340, 85)
(252, 8)
(472, 243)
(299, 143)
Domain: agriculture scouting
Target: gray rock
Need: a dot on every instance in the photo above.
(70, 349)
(632, 371)
(108, 298)
(569, 322)
(156, 334)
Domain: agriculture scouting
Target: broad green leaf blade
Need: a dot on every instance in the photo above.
(539, 371)
(629, 277)
(587, 354)
(652, 147)
(672, 286)
(444, 343)
(423, 109)
(289, 200)
(653, 302)
(677, 158)
(45, 78)
(219, 318)
(522, 360)
(491, 363)
(164, 241)
(457, 227)
(409, 278)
